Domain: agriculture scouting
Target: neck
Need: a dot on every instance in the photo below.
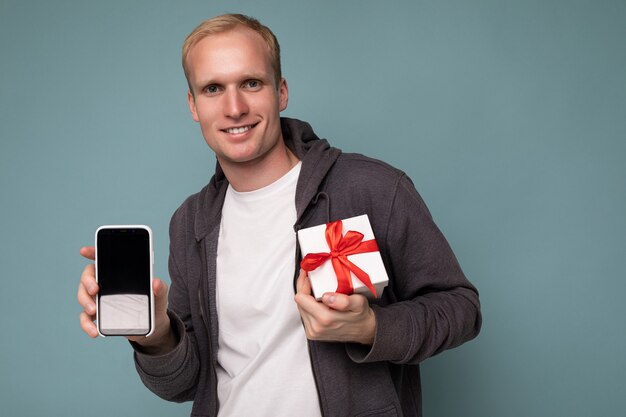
(258, 173)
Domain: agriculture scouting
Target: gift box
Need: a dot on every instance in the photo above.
(342, 256)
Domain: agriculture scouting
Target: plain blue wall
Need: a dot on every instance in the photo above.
(510, 116)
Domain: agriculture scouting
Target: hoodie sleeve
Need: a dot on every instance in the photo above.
(174, 375)
(429, 306)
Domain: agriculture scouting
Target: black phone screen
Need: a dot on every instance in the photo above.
(124, 269)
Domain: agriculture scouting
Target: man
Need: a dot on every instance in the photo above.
(232, 339)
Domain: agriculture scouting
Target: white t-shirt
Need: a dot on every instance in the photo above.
(264, 367)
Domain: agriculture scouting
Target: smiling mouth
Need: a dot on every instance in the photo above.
(238, 130)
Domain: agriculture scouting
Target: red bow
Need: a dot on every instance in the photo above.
(340, 248)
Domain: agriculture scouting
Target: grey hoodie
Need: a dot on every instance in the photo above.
(428, 307)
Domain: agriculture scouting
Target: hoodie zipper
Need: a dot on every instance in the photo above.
(206, 319)
(308, 342)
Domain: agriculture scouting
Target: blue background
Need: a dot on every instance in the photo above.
(510, 116)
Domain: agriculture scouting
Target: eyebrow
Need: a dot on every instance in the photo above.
(244, 77)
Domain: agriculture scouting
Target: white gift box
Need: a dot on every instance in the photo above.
(324, 279)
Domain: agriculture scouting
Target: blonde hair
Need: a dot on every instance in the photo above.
(226, 22)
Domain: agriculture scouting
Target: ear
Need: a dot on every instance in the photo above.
(191, 101)
(283, 95)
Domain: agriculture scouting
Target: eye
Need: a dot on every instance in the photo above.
(211, 89)
(252, 85)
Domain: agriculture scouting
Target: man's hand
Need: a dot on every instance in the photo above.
(338, 317)
(162, 339)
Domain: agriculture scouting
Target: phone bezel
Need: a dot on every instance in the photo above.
(151, 293)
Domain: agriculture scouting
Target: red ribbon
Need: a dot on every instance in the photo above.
(340, 248)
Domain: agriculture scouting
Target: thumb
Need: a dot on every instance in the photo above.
(160, 295)
(342, 302)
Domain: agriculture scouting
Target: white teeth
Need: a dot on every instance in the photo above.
(238, 129)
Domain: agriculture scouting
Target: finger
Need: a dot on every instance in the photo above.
(336, 301)
(303, 285)
(88, 252)
(88, 279)
(86, 301)
(341, 302)
(87, 324)
(308, 319)
(303, 298)
(86, 298)
(310, 305)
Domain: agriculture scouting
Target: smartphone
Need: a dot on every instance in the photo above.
(124, 264)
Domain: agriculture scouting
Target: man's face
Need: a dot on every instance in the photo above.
(234, 96)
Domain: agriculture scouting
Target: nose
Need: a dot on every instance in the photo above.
(235, 105)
